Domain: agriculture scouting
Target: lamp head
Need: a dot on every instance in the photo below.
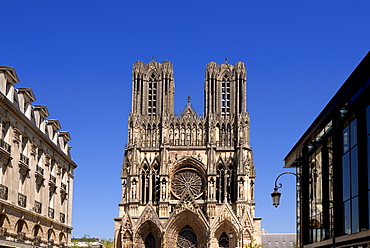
(275, 197)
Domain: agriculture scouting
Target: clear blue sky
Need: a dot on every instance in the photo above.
(77, 57)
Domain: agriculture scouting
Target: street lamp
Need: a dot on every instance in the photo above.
(276, 194)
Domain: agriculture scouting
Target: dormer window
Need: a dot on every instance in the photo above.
(152, 96)
(225, 96)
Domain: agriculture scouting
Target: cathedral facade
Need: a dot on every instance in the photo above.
(187, 181)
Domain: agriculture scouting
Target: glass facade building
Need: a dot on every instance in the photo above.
(332, 159)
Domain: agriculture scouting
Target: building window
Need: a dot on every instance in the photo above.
(225, 96)
(350, 178)
(152, 96)
(368, 159)
(3, 144)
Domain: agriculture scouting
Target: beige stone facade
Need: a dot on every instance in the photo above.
(187, 181)
(36, 171)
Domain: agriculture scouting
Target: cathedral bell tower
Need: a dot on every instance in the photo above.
(152, 88)
(187, 180)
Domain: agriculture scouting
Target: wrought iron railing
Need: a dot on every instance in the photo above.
(53, 179)
(40, 170)
(64, 186)
(5, 145)
(24, 159)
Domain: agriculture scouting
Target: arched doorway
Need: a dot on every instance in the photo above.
(150, 241)
(187, 238)
(223, 241)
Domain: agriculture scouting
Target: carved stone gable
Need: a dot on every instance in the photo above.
(149, 214)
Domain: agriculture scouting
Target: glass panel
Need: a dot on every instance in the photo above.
(355, 216)
(368, 206)
(368, 119)
(354, 172)
(353, 133)
(347, 217)
(368, 162)
(345, 140)
(346, 177)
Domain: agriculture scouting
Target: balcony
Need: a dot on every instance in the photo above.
(63, 186)
(39, 170)
(39, 175)
(5, 146)
(3, 192)
(24, 159)
(51, 213)
(53, 179)
(22, 200)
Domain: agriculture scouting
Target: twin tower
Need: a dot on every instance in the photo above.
(187, 181)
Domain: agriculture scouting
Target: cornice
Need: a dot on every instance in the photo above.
(33, 214)
(35, 130)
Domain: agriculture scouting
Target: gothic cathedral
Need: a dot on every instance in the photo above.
(187, 181)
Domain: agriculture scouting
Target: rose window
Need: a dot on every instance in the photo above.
(187, 180)
(187, 238)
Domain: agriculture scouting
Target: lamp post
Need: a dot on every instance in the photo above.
(276, 199)
(276, 194)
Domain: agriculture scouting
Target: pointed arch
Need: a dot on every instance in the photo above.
(223, 240)
(155, 182)
(144, 179)
(178, 221)
(148, 235)
(150, 241)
